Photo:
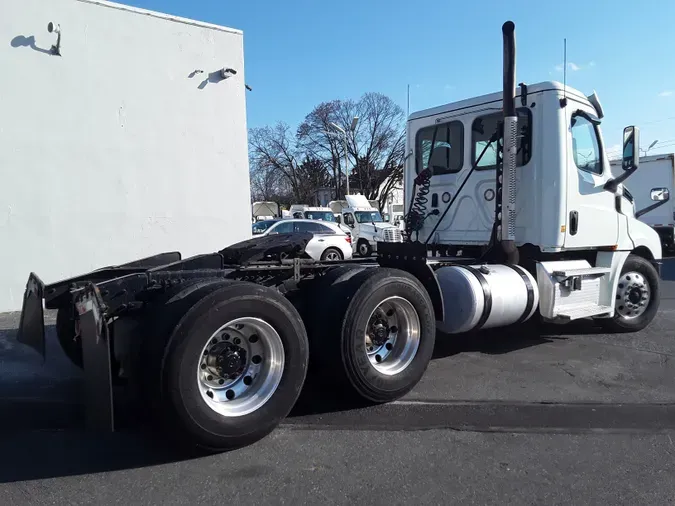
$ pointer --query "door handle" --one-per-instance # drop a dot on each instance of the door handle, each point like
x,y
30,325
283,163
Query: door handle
x,y
574,222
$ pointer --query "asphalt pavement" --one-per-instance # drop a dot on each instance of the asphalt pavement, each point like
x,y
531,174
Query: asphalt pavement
x,y
569,415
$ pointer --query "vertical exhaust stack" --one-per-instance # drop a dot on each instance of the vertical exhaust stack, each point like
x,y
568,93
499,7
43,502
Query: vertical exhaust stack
x,y
507,234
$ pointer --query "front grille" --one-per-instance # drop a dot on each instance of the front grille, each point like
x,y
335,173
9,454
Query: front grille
x,y
393,235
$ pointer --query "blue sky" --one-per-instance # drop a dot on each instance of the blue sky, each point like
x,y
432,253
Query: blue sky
x,y
301,52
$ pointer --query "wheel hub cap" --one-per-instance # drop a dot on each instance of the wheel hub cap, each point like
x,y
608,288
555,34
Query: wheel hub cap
x,y
635,295
379,333
393,335
229,360
632,296
241,366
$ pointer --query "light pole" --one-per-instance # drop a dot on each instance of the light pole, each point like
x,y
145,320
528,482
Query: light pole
x,y
352,127
650,147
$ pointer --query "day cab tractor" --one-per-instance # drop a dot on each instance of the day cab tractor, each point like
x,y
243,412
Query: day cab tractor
x,y
511,214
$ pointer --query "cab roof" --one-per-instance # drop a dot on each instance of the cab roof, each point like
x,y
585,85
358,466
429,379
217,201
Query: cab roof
x,y
496,97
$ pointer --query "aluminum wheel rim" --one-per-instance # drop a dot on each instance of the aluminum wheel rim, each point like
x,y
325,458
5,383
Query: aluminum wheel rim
x,y
240,366
332,255
633,295
393,335
363,249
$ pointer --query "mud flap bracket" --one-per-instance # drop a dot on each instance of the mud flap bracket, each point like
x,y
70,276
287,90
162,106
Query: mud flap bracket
x,y
97,360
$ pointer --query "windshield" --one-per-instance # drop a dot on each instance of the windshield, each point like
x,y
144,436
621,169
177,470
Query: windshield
x,y
368,216
320,215
261,226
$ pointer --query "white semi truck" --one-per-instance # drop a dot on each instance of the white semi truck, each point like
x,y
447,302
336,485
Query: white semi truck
x,y
657,172
364,221
219,344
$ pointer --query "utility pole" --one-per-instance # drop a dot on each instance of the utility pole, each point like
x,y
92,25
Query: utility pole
x,y
342,131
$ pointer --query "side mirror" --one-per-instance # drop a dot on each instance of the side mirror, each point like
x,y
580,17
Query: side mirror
x,y
630,158
631,148
660,194
338,219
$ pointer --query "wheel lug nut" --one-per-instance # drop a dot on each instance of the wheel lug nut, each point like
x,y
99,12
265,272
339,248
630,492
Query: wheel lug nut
x,y
221,381
226,336
214,341
203,366
209,377
236,340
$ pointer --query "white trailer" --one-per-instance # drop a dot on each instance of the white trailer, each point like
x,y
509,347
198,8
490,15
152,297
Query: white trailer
x,y
121,135
220,343
657,173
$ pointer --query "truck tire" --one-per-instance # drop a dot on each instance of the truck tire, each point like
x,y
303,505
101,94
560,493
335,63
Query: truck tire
x,y
379,336
363,248
233,365
637,297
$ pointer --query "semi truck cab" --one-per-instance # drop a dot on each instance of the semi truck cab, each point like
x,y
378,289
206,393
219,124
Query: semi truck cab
x,y
563,201
367,225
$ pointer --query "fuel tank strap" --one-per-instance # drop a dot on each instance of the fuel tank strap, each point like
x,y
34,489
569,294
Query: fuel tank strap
x,y
487,295
530,292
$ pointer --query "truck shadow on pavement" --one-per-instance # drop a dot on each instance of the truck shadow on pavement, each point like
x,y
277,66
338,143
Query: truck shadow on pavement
x,y
42,433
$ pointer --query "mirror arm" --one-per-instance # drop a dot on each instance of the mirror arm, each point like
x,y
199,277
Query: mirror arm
x,y
612,184
651,208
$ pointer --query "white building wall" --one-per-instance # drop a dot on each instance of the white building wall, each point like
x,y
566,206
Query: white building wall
x,y
119,148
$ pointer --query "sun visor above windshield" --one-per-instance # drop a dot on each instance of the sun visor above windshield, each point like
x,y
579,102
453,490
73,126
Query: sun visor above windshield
x,y
358,201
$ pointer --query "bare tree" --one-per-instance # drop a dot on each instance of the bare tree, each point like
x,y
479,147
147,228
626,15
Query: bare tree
x,y
297,165
318,139
273,149
379,146
313,175
375,148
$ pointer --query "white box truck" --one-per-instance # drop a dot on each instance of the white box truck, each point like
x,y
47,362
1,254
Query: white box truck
x,y
219,343
122,133
657,172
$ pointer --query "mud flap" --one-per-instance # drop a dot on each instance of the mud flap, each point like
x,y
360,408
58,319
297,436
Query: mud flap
x,y
97,361
32,324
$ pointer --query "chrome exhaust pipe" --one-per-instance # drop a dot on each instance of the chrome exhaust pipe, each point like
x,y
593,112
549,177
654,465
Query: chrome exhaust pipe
x,y
507,234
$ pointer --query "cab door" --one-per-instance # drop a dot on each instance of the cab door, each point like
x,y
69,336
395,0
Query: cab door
x,y
592,220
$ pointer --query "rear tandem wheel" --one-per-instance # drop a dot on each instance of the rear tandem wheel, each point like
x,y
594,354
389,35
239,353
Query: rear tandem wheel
x,y
377,337
229,365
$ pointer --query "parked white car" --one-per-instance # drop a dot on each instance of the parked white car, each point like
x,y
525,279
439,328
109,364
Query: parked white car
x,y
329,241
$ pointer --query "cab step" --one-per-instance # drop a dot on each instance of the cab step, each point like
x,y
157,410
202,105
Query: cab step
x,y
589,271
576,313
571,290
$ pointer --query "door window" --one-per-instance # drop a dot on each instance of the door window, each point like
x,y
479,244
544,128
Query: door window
x,y
323,229
484,127
585,146
283,228
314,228
441,148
